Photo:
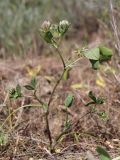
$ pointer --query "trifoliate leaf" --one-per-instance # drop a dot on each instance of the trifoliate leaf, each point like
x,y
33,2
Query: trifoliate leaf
x,y
92,54
98,55
15,92
69,100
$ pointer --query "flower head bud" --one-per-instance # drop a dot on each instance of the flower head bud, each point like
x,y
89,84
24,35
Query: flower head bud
x,y
63,26
46,25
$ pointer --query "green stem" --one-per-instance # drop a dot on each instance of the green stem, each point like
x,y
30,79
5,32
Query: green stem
x,y
39,100
61,57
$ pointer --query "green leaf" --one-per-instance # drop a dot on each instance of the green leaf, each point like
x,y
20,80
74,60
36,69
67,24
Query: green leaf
x,y
103,153
48,37
95,100
29,87
98,55
15,92
92,54
3,138
92,96
18,89
103,115
66,74
100,100
33,82
69,100
105,53
95,64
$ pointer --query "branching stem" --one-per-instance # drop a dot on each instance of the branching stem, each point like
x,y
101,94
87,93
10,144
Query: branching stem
x,y
50,100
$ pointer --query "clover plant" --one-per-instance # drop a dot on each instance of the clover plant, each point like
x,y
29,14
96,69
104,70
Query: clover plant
x,y
53,34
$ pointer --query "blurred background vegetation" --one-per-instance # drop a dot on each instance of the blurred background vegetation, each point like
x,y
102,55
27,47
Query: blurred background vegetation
x,y
20,21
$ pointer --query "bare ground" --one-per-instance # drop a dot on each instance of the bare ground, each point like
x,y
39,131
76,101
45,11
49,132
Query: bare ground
x,y
27,135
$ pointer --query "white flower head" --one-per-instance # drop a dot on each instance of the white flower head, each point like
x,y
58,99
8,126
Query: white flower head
x,y
64,24
46,25
63,27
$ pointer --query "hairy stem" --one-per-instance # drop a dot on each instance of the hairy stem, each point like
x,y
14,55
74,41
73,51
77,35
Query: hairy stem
x,y
50,100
